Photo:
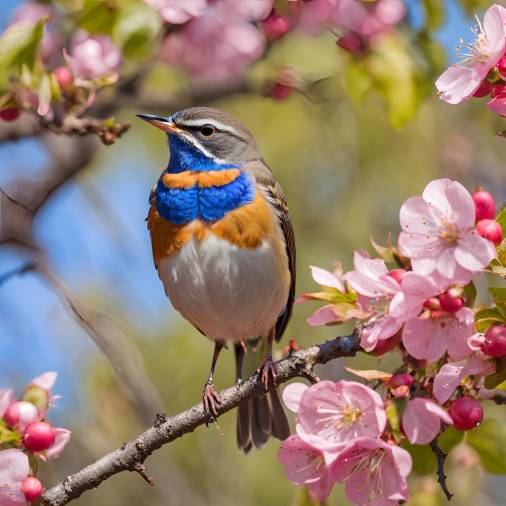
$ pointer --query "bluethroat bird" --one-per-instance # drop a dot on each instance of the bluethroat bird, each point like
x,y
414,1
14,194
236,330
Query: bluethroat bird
x,y
224,248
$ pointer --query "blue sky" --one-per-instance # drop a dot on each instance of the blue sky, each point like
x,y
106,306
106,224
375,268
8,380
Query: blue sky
x,y
37,334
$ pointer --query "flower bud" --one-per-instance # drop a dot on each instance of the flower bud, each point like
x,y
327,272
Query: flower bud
x,y
21,414
485,205
491,230
275,26
39,436
397,274
466,413
31,488
351,42
433,304
281,91
498,90
9,113
37,396
64,77
494,344
450,304
401,379
484,89
386,345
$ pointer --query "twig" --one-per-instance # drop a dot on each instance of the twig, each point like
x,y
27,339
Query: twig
x,y
441,476
165,430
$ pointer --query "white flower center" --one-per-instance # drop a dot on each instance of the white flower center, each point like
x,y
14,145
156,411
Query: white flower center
x,y
479,51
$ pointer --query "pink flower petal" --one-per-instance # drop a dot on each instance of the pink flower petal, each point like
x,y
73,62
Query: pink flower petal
x,y
326,278
423,340
323,316
416,218
498,105
12,497
62,437
447,380
6,399
14,467
458,83
45,381
321,489
456,332
494,23
463,210
292,394
474,253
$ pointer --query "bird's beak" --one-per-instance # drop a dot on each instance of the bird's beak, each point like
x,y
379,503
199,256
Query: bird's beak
x,y
159,122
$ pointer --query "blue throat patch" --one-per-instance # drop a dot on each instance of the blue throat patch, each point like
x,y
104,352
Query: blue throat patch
x,y
182,205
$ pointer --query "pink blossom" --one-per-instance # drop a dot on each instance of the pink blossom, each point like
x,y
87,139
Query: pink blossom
x,y
292,394
216,46
326,278
333,413
390,302
450,375
251,10
438,234
315,15
14,468
21,414
421,420
498,104
365,20
307,464
429,338
177,12
62,437
374,472
45,381
6,399
93,57
460,81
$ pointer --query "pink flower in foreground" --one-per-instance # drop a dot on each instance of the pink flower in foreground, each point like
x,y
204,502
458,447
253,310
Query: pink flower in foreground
x,y
460,81
14,469
292,394
438,234
176,11
216,46
334,413
421,420
450,375
306,464
429,338
391,302
374,472
92,57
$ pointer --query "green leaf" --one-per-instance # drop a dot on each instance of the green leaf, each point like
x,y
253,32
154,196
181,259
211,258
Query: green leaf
x,y
488,317
470,293
499,376
449,439
501,218
434,14
424,461
498,294
137,25
98,16
489,441
19,44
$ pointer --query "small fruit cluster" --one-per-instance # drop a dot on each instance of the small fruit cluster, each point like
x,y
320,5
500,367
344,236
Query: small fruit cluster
x,y
25,431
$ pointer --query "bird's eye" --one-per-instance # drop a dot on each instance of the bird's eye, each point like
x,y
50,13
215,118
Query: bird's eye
x,y
207,130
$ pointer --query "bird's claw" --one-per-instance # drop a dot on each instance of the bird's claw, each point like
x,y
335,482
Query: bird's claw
x,y
210,398
267,369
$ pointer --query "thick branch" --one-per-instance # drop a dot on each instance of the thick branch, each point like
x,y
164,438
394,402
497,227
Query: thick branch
x,y
132,455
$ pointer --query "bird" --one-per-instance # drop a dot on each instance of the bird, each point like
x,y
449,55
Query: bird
x,y
224,248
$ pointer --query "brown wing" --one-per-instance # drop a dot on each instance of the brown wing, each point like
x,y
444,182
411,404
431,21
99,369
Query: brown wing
x,y
273,189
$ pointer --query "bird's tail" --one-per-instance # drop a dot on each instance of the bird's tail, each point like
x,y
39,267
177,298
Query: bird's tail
x,y
260,418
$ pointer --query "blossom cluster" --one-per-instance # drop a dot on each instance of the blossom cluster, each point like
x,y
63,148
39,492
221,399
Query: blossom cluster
x,y
209,40
423,309
482,70
25,432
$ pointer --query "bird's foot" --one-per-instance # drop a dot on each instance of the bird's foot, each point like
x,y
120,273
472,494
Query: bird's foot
x,y
210,399
267,369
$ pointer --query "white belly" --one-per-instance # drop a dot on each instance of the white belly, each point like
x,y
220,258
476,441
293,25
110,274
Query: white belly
x,y
226,292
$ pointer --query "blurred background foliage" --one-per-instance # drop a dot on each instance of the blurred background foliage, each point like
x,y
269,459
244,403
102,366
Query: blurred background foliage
x,y
346,158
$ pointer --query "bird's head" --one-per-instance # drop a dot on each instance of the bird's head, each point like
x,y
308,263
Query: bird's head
x,y
203,138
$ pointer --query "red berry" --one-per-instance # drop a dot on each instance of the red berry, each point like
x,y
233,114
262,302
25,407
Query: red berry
x,y
397,274
501,64
495,341
433,304
275,26
450,304
351,42
491,230
281,91
484,89
466,413
39,436
9,113
400,380
32,488
64,77
485,205
498,90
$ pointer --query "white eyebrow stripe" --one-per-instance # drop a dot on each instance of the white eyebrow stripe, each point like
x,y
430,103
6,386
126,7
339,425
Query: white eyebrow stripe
x,y
216,124
191,139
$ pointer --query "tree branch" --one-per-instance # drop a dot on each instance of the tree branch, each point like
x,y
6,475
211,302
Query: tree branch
x,y
131,456
440,472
